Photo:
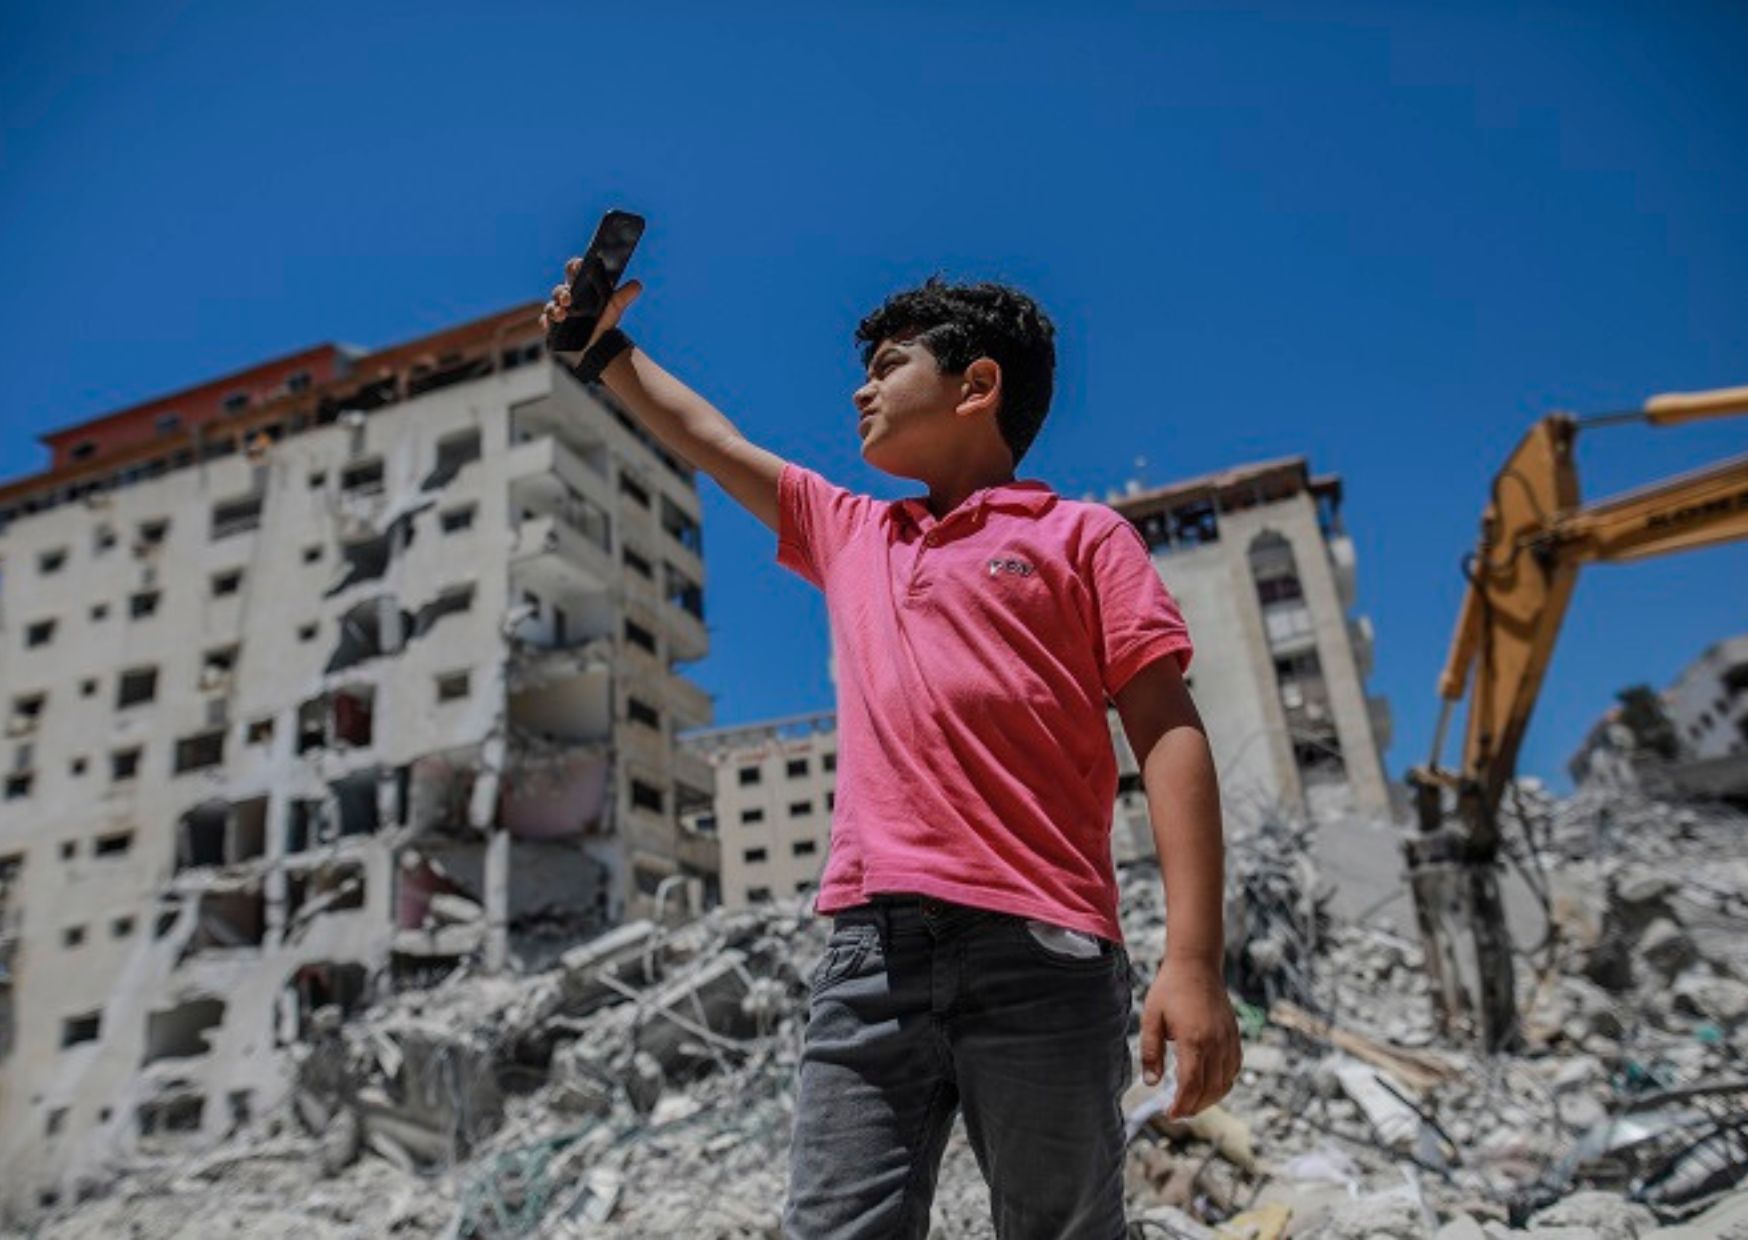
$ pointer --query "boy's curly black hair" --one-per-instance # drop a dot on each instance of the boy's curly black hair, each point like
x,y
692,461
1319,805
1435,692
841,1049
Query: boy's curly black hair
x,y
963,322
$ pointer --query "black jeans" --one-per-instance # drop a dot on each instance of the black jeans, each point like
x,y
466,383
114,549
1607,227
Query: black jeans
x,y
921,1008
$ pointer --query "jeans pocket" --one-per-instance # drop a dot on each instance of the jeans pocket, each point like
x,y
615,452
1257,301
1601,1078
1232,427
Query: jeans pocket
x,y
1071,950
844,953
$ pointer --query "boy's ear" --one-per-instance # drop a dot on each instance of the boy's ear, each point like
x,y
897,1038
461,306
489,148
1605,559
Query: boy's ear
x,y
980,386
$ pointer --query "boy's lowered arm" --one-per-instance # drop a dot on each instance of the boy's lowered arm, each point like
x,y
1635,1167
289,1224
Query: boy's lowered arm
x,y
683,421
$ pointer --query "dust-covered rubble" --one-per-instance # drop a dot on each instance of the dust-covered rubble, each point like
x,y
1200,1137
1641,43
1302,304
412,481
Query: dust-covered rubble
x,y
644,1085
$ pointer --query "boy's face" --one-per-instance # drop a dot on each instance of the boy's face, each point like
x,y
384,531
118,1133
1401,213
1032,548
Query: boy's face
x,y
905,410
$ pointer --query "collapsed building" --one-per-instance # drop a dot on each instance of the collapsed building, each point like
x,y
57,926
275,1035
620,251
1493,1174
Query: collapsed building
x,y
320,679
643,1084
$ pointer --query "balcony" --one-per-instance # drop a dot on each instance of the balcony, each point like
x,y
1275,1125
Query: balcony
x,y
693,770
548,466
555,559
689,705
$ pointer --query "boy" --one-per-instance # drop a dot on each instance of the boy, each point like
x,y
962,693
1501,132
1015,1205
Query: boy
x,y
975,960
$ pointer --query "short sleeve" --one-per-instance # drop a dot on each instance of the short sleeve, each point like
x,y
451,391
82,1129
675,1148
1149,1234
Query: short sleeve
x,y
1138,620
814,520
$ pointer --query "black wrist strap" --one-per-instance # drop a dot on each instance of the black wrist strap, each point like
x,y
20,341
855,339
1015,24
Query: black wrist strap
x,y
599,355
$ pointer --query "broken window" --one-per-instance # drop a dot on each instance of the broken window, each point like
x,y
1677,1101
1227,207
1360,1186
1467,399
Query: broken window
x,y
39,633
325,984
198,752
18,786
312,725
136,685
681,527
236,516
366,559
453,453
362,635
454,520
260,731
637,635
757,894
26,713
124,764
683,592
641,712
217,833
363,477
646,796
334,888
354,714
181,1032
173,1113
451,686
87,1027
216,666
355,798
452,601
228,918
304,823
50,562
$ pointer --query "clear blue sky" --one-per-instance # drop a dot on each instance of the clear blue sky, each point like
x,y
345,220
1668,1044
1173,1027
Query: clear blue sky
x,y
1387,237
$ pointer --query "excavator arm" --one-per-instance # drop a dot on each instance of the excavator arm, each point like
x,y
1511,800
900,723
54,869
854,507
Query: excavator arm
x,y
1534,537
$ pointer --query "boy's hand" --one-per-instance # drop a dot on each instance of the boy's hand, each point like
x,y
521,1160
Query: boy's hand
x,y
1187,1005
559,305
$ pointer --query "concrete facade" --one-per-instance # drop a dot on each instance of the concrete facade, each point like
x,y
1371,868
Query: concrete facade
x,y
776,788
377,677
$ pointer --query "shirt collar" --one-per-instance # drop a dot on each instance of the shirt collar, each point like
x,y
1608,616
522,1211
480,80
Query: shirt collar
x,y
1022,495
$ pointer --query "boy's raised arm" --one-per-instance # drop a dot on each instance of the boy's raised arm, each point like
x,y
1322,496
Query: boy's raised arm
x,y
678,417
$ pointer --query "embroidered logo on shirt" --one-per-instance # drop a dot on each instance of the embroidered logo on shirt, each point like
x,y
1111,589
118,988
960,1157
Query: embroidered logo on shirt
x,y
1007,564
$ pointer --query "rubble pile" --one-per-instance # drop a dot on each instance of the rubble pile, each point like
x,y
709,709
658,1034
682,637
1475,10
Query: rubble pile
x,y
643,1085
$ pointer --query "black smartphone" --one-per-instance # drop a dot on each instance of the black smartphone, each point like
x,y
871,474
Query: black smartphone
x,y
603,263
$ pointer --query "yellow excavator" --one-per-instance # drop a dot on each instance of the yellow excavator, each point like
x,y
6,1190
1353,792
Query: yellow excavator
x,y
1534,536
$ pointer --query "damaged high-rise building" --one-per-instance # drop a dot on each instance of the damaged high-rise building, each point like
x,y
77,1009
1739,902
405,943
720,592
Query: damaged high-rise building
x,y
319,680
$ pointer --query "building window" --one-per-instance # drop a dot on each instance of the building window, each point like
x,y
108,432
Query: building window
x,y
758,894
753,856
153,533
198,752
69,849
637,635
797,768
51,562
306,632
829,760
750,775
800,809
99,612
451,686
312,554
629,486
144,604
236,516
27,712
136,685
804,848
646,796
124,764
83,1028
260,731
73,936
84,450
748,816
227,582
115,845
40,633
457,519
362,477
454,452
637,564
831,800
102,539
77,766
236,402
57,1120
121,927
318,479
18,786
297,381
642,712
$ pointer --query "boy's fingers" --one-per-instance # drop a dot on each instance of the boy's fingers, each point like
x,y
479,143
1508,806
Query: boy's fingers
x,y
1192,1067
1152,1047
571,267
561,293
553,312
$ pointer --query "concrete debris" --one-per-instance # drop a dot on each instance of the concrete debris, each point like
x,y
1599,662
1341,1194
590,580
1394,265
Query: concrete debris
x,y
642,1083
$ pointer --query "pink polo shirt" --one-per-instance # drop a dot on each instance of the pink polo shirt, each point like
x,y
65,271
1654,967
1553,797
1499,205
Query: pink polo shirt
x,y
975,655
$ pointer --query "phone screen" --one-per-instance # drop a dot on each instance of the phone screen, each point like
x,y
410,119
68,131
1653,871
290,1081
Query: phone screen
x,y
603,263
